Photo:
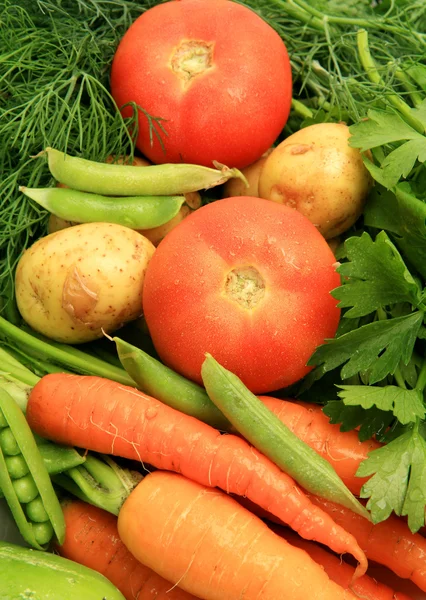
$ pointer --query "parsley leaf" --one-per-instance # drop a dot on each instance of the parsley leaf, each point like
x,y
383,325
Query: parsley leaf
x,y
400,162
371,422
377,347
406,405
382,128
398,481
404,216
377,276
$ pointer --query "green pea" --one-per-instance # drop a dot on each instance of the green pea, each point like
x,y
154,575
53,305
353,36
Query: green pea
x,y
43,532
136,212
3,420
264,430
8,442
36,482
25,488
16,465
127,180
35,511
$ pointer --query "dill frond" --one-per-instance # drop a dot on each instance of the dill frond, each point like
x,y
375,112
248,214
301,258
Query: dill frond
x,y
55,57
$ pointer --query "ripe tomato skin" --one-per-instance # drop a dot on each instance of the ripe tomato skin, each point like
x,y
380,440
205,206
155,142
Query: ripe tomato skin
x,y
233,111
189,310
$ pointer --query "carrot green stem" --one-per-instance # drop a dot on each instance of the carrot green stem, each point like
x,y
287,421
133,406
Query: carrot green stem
x,y
268,434
162,383
99,482
13,370
68,356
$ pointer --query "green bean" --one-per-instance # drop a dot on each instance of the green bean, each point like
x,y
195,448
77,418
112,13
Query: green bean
x,y
43,532
136,212
251,417
30,452
8,442
25,488
16,466
35,511
3,422
126,180
157,380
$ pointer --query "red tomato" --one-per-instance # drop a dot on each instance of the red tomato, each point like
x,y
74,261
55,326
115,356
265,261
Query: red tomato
x,y
216,72
247,280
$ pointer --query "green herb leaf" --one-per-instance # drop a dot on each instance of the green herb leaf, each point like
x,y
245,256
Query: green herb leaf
x,y
420,111
377,347
400,162
383,128
404,215
371,422
406,405
376,276
398,481
379,129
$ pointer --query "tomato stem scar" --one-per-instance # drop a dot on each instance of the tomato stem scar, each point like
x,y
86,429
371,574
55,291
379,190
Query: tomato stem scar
x,y
246,286
191,58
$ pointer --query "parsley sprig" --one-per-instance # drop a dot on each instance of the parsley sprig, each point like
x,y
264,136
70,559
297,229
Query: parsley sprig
x,y
383,374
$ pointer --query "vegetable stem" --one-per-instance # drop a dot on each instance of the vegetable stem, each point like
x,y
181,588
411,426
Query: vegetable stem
x,y
421,379
71,357
301,109
416,98
370,67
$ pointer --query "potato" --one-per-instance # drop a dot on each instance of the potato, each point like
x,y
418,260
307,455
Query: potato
x,y
156,234
237,187
72,284
316,172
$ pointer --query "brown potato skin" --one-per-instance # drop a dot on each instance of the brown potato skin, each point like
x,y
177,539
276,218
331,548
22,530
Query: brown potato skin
x,y
82,281
316,172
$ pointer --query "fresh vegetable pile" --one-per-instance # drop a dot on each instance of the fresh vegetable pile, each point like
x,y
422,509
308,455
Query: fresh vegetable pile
x,y
212,299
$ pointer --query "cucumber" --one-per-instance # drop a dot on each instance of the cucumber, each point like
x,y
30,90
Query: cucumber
x,y
27,573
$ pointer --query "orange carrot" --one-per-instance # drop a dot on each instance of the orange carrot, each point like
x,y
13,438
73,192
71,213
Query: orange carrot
x,y
340,572
107,417
92,540
209,545
389,543
342,449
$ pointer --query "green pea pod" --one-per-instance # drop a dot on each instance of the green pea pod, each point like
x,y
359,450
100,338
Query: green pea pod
x,y
162,383
30,452
267,433
127,180
26,573
57,459
9,494
136,212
